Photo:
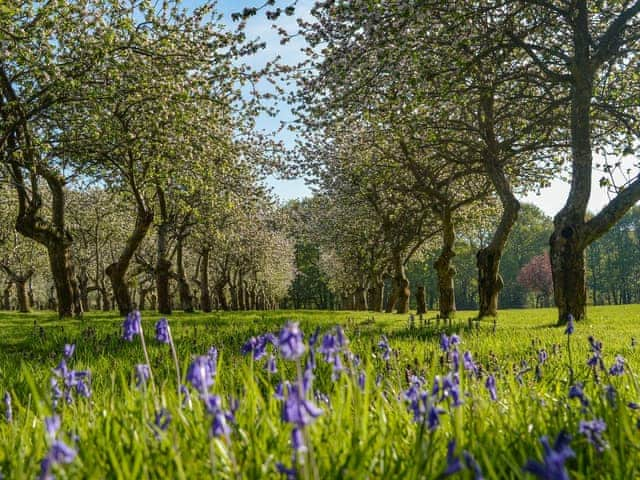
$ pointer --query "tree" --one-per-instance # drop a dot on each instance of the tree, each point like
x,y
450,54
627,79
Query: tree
x,y
586,47
536,276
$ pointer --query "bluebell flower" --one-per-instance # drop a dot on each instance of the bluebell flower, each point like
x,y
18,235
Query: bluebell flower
x,y
162,331
455,359
290,342
289,473
270,365
593,430
453,461
570,328
361,380
142,375
329,347
8,411
279,392
82,389
471,463
313,339
131,326
59,454
553,465
491,386
433,417
618,367
212,356
542,356
297,440
162,419
69,348
468,363
454,340
575,391
611,394
444,342
52,425
200,375
383,345
341,337
220,426
257,346
298,410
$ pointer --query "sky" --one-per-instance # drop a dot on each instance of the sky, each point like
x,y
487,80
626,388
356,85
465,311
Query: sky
x,y
550,200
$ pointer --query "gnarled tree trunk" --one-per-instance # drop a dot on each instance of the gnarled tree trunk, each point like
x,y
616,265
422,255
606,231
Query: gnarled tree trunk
x,y
421,301
401,284
444,268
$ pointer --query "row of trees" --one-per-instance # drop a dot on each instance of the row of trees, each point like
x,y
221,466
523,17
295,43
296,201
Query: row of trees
x,y
129,158
421,120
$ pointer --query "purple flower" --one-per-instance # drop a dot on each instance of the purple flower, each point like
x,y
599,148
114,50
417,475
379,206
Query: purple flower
x,y
131,326
212,355
472,465
444,342
383,345
552,467
52,425
257,346
570,327
298,410
329,347
611,394
162,331
162,419
618,367
279,393
289,473
468,363
362,380
453,462
593,430
200,375
8,411
290,341
61,453
455,358
69,348
220,426
454,340
143,373
542,356
491,386
433,417
575,391
270,365
82,389
297,440
186,400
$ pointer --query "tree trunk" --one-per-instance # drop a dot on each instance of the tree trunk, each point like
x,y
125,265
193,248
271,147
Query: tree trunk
x,y
117,271
21,294
67,292
421,301
221,295
401,285
83,287
205,296
186,300
568,272
361,298
445,270
376,295
6,296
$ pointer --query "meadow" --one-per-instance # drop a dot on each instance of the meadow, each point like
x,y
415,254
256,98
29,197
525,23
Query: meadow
x,y
382,397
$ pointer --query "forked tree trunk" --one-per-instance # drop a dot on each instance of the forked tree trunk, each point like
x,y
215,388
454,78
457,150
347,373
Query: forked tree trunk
x,y
490,282
117,271
445,270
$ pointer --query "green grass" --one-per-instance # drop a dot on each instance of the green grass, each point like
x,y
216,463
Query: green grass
x,y
361,434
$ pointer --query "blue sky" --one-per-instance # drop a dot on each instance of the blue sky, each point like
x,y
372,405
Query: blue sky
x,y
550,200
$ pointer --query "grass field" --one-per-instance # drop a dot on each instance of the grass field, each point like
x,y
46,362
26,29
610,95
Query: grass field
x,y
376,428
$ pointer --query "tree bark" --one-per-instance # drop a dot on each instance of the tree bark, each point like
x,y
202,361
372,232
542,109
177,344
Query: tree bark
x,y
205,296
490,282
361,298
221,295
186,300
421,301
83,287
117,271
401,284
445,270
376,295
